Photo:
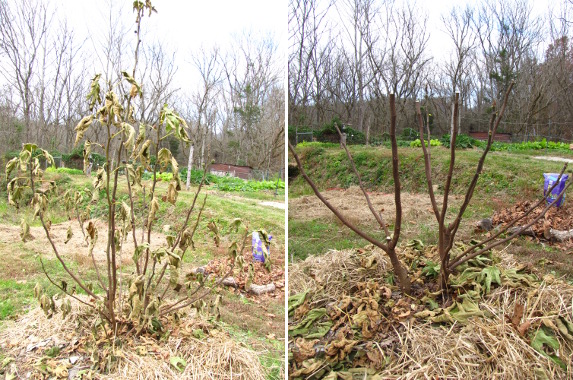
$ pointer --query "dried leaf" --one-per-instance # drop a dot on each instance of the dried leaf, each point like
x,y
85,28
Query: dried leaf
x,y
69,235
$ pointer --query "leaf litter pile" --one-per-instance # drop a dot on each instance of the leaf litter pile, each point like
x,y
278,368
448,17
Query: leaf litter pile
x,y
347,320
556,218
255,272
60,348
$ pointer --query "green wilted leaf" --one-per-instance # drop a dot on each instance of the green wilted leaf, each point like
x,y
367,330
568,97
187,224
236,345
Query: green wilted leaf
x,y
305,326
175,123
295,301
236,223
173,275
431,269
159,253
136,88
416,244
15,192
250,276
545,337
488,275
5,362
138,251
432,304
29,147
52,352
178,363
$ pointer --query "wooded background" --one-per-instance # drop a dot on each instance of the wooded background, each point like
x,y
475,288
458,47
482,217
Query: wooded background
x,y
345,57
236,112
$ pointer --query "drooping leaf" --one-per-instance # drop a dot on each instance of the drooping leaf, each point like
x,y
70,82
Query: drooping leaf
x,y
48,157
66,307
488,275
10,166
69,235
135,87
175,123
129,133
143,154
82,127
153,208
137,253
213,227
94,96
172,192
236,223
38,290
178,363
24,158
164,158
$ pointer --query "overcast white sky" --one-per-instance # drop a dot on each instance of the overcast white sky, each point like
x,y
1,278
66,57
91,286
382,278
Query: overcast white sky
x,y
185,26
435,8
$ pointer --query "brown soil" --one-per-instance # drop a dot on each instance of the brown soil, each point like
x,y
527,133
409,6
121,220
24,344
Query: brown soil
x,y
351,202
77,247
416,208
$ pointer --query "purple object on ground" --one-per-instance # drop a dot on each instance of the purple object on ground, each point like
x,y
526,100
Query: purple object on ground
x,y
257,245
549,180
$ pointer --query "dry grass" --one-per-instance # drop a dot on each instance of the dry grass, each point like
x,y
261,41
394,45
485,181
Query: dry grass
x,y
336,271
213,356
483,348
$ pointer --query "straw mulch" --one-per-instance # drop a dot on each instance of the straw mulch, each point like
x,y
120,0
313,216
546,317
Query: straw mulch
x,y
372,335
207,352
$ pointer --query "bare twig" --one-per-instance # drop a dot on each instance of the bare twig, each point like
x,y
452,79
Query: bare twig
x,y
466,257
377,215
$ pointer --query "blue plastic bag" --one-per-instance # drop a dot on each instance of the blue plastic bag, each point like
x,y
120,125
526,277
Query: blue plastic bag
x,y
261,251
549,180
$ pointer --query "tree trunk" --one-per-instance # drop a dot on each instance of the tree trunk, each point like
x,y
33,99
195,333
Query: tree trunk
x,y
190,166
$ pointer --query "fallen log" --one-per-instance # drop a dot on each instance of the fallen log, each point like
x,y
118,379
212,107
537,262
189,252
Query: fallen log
x,y
229,281
528,231
261,289
557,235
549,233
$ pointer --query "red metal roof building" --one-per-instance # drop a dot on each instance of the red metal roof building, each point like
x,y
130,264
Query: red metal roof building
x,y
244,172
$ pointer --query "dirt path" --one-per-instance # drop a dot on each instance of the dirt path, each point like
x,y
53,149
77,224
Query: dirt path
x,y
280,205
553,158
351,202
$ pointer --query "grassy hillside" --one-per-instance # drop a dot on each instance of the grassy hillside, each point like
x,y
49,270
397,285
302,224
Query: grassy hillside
x,y
506,179
504,173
